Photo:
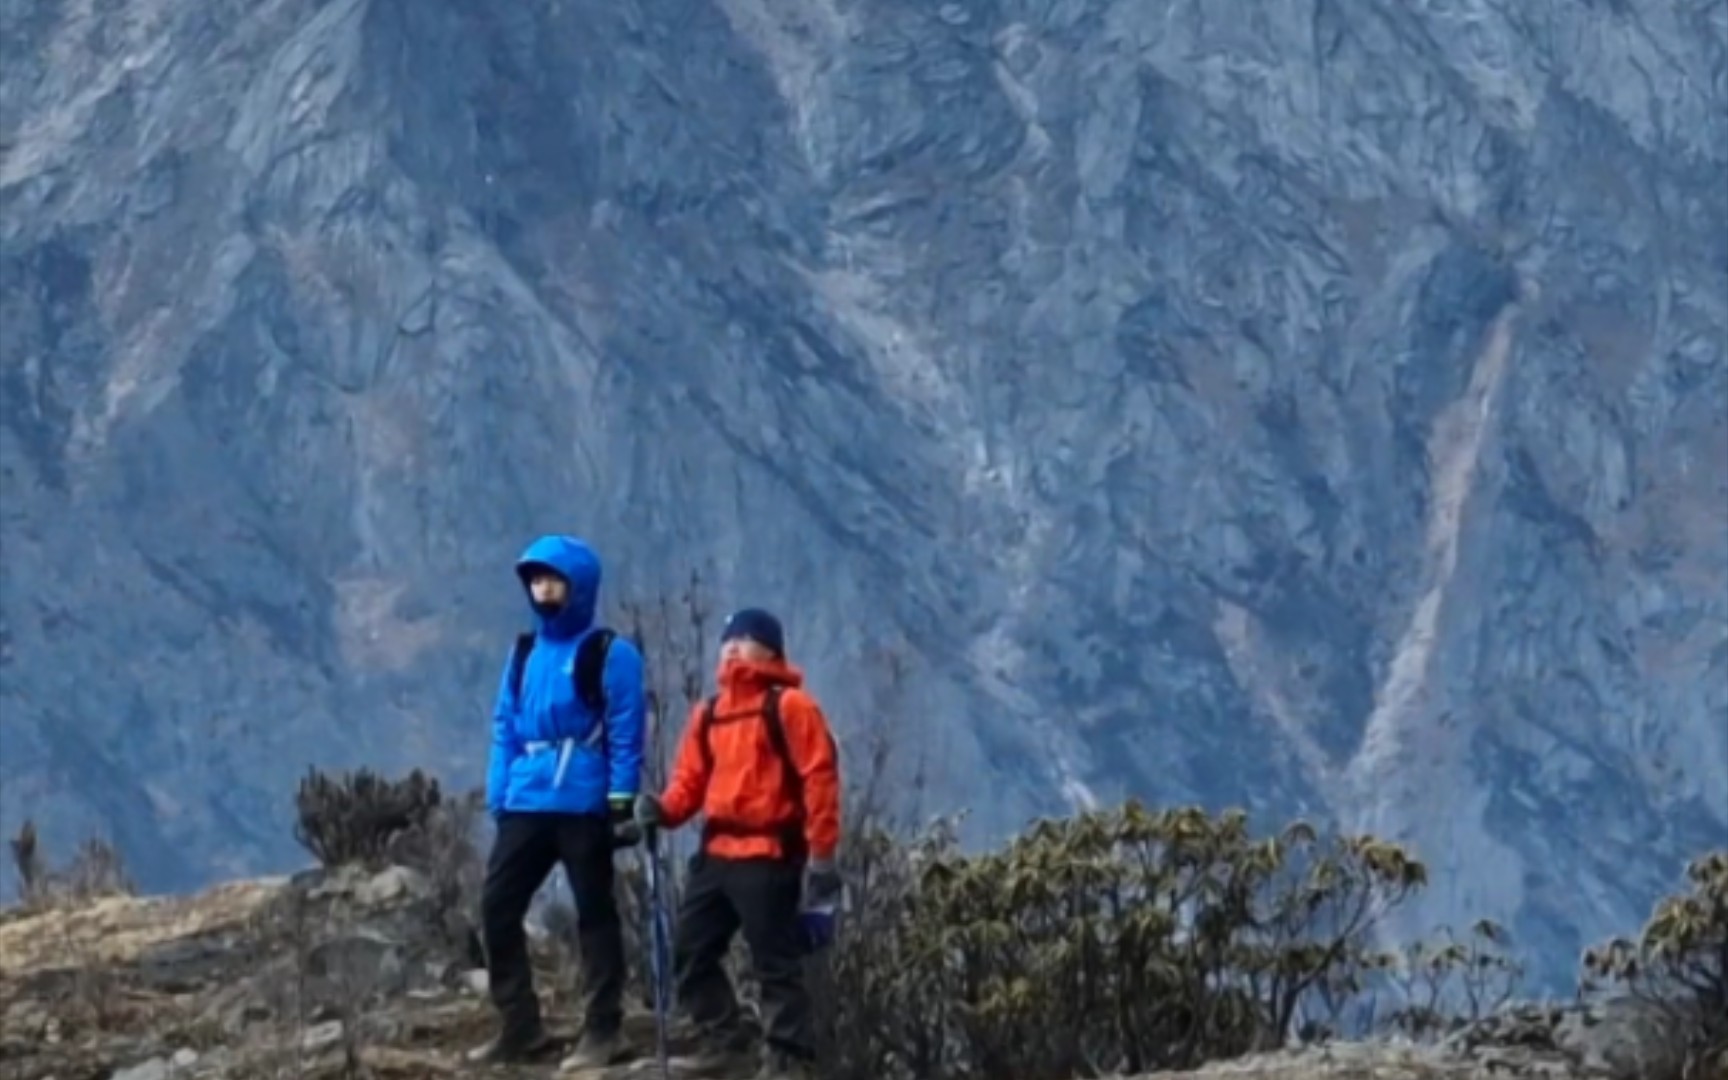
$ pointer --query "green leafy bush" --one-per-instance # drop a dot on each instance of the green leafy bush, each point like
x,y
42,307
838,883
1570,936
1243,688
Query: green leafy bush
x,y
1124,941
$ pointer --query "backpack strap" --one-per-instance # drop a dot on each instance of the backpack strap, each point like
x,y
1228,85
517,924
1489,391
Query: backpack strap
x,y
703,741
519,663
777,737
587,672
791,835
770,713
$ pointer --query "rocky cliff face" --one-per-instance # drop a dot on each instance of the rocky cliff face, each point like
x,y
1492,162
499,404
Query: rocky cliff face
x,y
1322,408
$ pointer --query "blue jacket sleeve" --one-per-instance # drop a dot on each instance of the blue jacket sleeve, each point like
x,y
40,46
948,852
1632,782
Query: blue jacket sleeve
x,y
626,718
506,745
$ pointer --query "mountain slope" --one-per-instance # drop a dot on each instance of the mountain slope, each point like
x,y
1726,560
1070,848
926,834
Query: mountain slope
x,y
1323,409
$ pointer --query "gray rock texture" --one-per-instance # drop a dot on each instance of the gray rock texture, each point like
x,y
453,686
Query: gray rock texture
x,y
1314,405
238,971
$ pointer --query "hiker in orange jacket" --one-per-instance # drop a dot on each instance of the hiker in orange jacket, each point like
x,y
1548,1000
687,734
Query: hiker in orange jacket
x,y
759,762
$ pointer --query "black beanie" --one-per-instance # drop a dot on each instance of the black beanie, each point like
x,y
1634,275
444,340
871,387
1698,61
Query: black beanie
x,y
758,626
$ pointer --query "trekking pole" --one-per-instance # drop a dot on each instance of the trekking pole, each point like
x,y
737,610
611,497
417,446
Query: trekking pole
x,y
658,948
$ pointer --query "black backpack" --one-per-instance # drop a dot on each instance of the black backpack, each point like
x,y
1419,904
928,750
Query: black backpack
x,y
587,673
791,835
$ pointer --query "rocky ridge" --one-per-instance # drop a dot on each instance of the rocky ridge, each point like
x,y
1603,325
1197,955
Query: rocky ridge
x,y
329,973
1321,410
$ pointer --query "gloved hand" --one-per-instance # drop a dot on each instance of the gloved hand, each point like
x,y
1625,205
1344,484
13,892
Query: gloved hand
x,y
648,811
822,883
822,891
625,831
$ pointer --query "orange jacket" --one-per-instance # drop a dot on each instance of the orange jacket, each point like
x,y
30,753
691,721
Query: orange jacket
x,y
742,788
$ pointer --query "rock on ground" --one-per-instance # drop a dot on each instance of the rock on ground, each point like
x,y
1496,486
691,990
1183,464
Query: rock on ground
x,y
246,979
1317,407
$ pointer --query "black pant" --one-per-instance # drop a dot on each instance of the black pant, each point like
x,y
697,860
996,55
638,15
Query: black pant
x,y
527,847
761,896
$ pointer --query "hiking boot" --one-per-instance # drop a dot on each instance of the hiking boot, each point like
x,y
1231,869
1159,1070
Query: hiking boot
x,y
596,1051
720,1053
511,1048
782,1066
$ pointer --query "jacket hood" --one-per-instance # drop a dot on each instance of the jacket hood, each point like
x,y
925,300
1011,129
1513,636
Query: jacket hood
x,y
748,675
576,563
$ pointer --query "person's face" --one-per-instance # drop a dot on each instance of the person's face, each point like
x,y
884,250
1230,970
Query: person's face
x,y
547,589
746,649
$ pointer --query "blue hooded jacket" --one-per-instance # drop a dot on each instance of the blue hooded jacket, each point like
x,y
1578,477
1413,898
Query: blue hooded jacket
x,y
546,753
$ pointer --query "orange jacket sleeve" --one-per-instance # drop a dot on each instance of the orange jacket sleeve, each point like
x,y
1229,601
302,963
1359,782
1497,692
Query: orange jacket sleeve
x,y
812,746
688,785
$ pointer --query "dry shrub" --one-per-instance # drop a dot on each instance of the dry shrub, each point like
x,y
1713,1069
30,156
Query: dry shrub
x,y
93,996
1445,983
1679,965
96,870
445,847
360,818
631,889
674,632
1123,941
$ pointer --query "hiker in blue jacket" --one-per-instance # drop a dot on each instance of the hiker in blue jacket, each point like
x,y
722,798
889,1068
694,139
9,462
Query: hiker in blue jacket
x,y
565,768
